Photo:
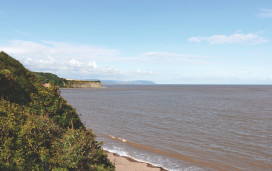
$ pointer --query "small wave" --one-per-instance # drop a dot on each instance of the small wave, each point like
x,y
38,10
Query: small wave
x,y
121,139
158,161
113,137
117,138
116,150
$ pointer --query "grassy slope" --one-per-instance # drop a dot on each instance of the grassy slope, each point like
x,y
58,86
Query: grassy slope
x,y
38,129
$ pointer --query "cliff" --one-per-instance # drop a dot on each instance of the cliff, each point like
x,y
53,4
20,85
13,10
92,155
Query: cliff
x,y
49,79
82,84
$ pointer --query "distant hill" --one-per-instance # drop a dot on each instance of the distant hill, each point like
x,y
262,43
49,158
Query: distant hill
x,y
136,82
39,130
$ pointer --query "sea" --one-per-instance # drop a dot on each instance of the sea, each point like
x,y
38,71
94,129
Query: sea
x,y
182,127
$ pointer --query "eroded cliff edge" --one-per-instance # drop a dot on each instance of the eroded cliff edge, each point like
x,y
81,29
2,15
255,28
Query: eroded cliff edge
x,y
82,84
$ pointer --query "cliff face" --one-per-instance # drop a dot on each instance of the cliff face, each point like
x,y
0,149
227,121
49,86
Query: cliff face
x,y
82,84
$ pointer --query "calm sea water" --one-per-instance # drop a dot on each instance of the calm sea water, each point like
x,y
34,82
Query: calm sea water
x,y
182,127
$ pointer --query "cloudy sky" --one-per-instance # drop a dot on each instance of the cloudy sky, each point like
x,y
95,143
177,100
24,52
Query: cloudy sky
x,y
165,41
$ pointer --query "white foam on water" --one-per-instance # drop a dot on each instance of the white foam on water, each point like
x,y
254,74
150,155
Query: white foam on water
x,y
112,136
148,159
121,139
193,169
116,150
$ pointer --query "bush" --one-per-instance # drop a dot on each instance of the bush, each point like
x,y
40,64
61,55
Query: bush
x,y
78,149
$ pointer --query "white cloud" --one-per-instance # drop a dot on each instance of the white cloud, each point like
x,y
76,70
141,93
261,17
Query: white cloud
x,y
28,61
93,65
74,63
77,61
265,13
19,47
143,72
170,55
62,58
111,70
47,61
194,39
34,54
59,50
237,38
166,57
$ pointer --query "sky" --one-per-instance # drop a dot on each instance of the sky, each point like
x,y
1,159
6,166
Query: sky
x,y
165,41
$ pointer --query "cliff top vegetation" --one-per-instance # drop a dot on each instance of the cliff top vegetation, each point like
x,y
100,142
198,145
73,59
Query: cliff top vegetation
x,y
54,80
51,78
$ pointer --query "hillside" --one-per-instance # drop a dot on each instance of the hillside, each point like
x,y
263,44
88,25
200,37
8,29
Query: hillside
x,y
39,130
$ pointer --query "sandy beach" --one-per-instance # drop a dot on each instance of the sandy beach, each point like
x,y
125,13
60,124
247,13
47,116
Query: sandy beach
x,y
129,164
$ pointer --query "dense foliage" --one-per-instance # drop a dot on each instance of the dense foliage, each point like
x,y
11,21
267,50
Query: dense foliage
x,y
51,78
39,130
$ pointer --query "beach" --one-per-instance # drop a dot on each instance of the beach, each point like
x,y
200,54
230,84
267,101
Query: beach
x,y
123,163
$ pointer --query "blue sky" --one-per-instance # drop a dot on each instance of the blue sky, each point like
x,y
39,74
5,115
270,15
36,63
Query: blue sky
x,y
165,41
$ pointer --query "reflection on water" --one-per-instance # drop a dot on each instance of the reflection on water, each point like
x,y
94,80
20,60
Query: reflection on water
x,y
182,127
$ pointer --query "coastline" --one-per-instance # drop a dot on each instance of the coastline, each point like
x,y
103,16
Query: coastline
x,y
124,163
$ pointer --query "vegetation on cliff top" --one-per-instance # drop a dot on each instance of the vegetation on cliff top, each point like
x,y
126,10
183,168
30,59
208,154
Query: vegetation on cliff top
x,y
54,80
39,130
51,78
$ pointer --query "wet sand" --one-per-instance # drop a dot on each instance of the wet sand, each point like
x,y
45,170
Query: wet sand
x,y
129,164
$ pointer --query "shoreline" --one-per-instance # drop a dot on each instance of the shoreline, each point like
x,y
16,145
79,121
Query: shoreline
x,y
125,163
